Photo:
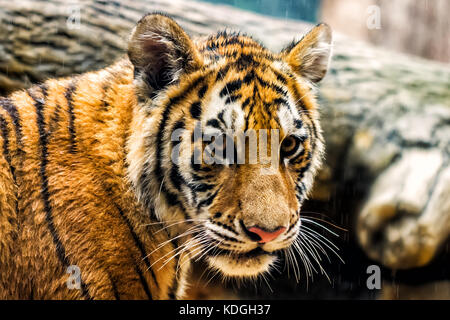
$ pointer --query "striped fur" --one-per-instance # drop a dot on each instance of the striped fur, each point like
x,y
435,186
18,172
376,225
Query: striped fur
x,y
86,177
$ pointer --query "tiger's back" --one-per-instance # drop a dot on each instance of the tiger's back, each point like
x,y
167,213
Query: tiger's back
x,y
64,198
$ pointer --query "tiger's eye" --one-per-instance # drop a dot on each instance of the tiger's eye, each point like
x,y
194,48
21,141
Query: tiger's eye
x,y
289,146
289,143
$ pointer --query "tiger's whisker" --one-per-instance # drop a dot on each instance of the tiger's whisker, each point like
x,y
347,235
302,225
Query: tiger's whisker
x,y
179,222
322,220
326,245
318,224
312,231
189,231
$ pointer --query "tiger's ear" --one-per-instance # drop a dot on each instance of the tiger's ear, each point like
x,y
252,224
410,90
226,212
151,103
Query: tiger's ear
x,y
160,51
310,56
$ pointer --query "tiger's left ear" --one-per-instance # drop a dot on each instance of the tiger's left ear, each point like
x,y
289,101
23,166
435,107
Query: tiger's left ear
x,y
310,56
161,52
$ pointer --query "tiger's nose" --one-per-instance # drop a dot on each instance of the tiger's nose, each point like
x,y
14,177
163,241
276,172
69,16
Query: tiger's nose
x,y
264,236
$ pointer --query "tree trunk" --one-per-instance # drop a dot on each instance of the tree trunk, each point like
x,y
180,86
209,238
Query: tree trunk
x,y
419,27
386,116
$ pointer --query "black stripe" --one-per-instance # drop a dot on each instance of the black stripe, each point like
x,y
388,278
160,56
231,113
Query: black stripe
x,y
202,91
173,199
60,250
54,120
220,116
176,178
174,287
231,87
196,110
299,158
208,200
280,77
203,187
225,227
196,177
9,106
232,98
280,101
247,60
138,243
273,86
314,134
6,154
69,97
144,283
172,295
152,214
291,227
226,238
302,188
245,103
114,287
250,111
178,125
85,290
105,88
298,123
289,237
178,181
252,76
298,97
221,74
12,111
213,123
173,101
302,170
249,77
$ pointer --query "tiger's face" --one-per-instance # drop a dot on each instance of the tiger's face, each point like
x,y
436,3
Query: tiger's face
x,y
229,139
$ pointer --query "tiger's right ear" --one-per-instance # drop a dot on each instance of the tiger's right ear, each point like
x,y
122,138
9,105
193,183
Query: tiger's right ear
x,y
310,57
160,51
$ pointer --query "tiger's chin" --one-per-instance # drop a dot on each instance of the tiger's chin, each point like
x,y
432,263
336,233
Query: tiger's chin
x,y
244,265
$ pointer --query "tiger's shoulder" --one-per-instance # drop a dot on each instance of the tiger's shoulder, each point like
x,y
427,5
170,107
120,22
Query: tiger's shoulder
x,y
64,198
57,107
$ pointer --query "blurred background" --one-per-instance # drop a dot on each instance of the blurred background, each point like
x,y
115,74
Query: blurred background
x,y
419,27
383,195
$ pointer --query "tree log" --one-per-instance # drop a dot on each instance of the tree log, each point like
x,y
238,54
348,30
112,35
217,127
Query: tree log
x,y
427,37
386,116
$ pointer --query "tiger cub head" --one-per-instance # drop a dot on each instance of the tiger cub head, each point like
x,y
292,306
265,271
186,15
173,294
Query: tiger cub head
x,y
226,139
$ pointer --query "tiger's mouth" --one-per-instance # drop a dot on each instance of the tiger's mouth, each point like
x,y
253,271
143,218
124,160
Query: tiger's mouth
x,y
242,264
254,253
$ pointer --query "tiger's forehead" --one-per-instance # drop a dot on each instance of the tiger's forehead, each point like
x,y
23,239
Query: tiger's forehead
x,y
235,45
253,88
251,100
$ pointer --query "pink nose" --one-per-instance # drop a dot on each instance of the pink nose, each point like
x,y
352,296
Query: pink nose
x,y
266,236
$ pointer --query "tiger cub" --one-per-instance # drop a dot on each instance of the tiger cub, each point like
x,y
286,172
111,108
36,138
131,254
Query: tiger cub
x,y
107,190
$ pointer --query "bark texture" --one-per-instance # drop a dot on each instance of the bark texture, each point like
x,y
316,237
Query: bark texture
x,y
419,27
